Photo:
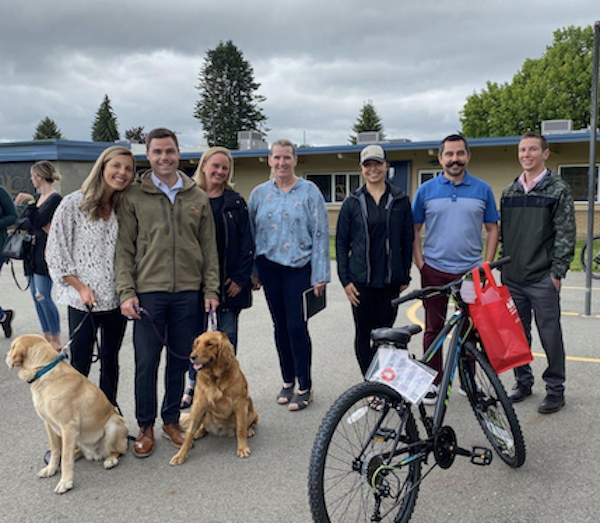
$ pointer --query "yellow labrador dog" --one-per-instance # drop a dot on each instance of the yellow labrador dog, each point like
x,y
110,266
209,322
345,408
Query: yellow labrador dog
x,y
221,404
76,412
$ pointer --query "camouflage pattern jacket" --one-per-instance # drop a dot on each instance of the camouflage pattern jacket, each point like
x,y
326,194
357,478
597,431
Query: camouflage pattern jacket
x,y
537,230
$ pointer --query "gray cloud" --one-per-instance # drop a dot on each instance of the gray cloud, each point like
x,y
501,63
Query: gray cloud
x,y
317,61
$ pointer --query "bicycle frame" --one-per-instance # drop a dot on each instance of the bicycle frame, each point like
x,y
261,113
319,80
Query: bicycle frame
x,y
458,324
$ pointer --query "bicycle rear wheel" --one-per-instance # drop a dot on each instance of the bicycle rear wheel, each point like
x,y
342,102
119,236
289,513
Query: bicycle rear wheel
x,y
356,471
491,406
595,257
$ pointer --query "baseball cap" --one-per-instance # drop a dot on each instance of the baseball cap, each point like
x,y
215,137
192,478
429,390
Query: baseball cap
x,y
372,152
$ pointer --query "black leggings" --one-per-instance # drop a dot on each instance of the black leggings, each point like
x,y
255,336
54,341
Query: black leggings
x,y
111,325
373,311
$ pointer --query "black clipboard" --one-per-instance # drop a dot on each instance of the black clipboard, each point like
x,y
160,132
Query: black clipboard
x,y
312,304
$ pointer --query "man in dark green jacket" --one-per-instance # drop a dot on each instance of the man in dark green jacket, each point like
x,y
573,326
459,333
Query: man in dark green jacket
x,y
166,253
8,216
538,233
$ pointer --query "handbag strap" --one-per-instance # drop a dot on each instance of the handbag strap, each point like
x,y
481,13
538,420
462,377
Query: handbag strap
x,y
12,270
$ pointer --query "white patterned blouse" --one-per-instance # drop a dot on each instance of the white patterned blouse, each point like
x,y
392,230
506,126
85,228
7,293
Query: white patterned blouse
x,y
85,248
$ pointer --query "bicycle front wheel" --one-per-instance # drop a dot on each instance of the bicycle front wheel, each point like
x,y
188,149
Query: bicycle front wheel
x,y
364,464
491,406
595,257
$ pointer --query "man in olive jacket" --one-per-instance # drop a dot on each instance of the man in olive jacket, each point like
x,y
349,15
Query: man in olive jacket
x,y
166,252
538,233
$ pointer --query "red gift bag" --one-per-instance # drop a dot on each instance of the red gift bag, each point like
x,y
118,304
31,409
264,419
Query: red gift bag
x,y
497,320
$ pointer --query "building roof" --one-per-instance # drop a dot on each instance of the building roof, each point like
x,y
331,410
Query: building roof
x,y
89,151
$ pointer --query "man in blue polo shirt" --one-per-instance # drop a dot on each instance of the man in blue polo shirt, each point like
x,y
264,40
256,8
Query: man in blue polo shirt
x,y
453,207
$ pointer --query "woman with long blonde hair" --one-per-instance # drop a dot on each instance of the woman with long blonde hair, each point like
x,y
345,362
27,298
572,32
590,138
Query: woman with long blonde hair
x,y
80,255
234,244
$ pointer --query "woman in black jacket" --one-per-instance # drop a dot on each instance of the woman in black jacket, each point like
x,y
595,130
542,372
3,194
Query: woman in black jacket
x,y
374,250
38,215
234,244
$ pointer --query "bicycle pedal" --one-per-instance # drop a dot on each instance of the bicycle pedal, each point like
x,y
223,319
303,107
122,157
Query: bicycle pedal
x,y
384,434
481,456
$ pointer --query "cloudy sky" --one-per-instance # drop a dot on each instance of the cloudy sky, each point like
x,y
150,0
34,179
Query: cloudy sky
x,y
317,60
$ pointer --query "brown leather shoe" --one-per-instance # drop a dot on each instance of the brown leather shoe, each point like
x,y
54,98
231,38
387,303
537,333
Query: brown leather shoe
x,y
144,443
174,433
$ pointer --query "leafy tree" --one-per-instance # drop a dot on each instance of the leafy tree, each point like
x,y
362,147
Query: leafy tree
x,y
555,86
135,135
105,128
228,100
368,121
47,130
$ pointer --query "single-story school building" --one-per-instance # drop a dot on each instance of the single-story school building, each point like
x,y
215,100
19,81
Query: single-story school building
x,y
334,169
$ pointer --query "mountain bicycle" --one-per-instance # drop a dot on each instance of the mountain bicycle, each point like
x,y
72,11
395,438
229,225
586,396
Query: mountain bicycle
x,y
367,458
595,257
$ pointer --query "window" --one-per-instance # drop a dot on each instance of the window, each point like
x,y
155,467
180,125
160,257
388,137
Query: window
x,y
335,186
577,177
427,174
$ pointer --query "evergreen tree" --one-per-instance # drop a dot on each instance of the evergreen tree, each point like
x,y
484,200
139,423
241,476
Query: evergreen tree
x,y
558,85
228,100
368,121
135,135
47,130
105,128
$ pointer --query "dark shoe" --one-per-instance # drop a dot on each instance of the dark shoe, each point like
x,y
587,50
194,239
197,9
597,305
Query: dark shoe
x,y
7,323
174,433
144,443
551,404
300,401
285,395
519,393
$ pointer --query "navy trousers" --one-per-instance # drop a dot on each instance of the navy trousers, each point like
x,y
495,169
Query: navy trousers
x,y
283,288
175,316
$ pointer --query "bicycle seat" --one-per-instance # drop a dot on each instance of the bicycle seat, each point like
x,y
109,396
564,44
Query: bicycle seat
x,y
397,335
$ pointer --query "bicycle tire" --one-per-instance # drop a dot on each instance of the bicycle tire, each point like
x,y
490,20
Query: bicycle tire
x,y
595,257
344,485
491,406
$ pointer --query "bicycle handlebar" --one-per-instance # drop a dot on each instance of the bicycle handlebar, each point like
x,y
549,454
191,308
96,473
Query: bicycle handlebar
x,y
429,292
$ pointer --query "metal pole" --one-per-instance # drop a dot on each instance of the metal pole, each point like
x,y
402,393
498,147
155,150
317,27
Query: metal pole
x,y
592,172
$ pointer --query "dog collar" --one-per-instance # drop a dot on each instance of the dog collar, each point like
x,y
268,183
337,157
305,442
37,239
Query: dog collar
x,y
49,367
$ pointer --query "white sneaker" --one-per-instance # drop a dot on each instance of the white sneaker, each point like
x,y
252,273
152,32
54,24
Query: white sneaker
x,y
431,397
462,391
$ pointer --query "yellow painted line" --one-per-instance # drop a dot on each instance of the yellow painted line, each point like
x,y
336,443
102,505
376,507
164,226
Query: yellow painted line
x,y
579,288
411,314
570,358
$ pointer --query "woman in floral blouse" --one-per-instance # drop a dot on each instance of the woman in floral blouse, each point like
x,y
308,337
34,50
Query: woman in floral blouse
x,y
80,255
288,219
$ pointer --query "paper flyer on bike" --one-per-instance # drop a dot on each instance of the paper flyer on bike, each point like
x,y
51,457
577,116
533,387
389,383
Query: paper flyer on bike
x,y
408,377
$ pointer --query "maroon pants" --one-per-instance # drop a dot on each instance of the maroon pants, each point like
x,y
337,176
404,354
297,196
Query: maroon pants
x,y
435,313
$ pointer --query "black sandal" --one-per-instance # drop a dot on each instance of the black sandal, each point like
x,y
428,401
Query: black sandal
x,y
187,399
285,394
301,400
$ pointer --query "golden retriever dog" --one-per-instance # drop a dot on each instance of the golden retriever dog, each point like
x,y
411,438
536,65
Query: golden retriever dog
x,y
76,412
221,403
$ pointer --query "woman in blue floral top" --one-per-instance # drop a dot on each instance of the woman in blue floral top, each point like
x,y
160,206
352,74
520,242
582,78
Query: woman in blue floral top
x,y
288,219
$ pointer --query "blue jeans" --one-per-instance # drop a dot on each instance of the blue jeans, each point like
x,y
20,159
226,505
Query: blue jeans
x,y
41,290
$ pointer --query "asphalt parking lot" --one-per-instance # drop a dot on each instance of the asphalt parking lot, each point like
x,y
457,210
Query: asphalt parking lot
x,y
558,482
